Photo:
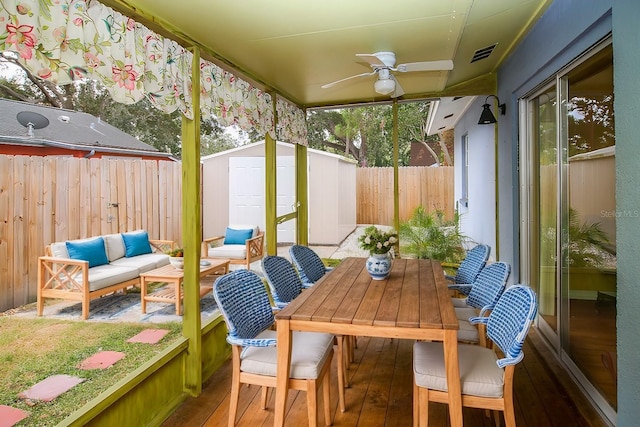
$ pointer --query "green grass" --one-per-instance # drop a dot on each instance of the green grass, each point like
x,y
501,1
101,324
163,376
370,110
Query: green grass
x,y
34,349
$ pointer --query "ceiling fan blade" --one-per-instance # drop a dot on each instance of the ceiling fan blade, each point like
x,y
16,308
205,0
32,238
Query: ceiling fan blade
x,y
373,60
426,66
347,78
398,91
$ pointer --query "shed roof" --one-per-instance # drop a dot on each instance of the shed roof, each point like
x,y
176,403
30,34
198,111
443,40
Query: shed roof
x,y
239,150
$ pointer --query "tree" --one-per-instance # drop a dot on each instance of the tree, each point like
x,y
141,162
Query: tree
x,y
366,133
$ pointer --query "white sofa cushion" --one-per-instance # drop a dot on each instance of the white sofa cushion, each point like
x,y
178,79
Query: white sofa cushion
x,y
106,275
228,251
479,373
144,262
309,350
115,246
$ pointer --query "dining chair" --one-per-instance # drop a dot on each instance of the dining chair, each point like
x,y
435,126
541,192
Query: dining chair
x,y
469,269
484,295
309,265
285,286
244,304
486,380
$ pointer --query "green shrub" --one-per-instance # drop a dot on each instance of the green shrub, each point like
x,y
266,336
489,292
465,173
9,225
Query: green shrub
x,y
430,235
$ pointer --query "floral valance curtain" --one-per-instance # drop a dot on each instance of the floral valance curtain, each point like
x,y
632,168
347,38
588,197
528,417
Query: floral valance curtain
x,y
66,40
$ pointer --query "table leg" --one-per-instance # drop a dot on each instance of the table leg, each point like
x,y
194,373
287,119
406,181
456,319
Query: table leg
x,y
453,376
282,372
178,296
143,294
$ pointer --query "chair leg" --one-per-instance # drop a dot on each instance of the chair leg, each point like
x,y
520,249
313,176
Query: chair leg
x,y
423,405
235,385
312,403
263,398
341,370
416,409
326,393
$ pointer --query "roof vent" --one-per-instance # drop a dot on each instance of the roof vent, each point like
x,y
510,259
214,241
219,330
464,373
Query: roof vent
x,y
483,53
64,119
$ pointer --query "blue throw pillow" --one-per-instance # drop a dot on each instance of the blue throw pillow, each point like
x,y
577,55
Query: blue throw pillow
x,y
236,237
136,244
90,250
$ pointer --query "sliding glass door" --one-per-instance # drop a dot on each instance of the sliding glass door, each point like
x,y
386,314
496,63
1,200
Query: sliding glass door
x,y
572,244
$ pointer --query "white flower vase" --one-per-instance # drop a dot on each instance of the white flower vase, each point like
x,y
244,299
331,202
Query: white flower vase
x,y
379,266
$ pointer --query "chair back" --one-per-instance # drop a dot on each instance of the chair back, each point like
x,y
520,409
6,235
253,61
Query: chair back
x,y
308,263
489,285
472,264
284,282
244,304
510,320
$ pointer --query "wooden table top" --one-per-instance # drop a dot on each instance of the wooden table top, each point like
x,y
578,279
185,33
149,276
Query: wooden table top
x,y
415,295
170,272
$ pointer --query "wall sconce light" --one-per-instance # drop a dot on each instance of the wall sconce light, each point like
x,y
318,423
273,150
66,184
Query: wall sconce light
x,y
487,117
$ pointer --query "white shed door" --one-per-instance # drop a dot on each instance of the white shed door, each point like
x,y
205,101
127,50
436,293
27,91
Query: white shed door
x,y
246,193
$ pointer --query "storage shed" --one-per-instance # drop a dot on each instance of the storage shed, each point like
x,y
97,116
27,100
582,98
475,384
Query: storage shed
x,y
234,183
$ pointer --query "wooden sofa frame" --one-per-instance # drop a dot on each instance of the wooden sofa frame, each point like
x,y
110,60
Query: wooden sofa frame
x,y
57,279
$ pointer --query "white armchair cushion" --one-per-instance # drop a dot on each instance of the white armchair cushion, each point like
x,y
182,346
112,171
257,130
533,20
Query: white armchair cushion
x,y
479,373
228,251
459,302
309,350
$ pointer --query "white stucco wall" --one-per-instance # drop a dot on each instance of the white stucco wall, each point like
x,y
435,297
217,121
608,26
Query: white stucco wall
x,y
478,219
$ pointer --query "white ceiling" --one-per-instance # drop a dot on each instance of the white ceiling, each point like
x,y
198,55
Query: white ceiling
x,y
296,46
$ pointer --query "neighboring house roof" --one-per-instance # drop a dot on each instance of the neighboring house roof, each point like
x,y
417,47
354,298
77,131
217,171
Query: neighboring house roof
x,y
68,129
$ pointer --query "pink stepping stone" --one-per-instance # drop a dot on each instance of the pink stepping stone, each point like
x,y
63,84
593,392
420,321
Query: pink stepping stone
x,y
101,360
149,336
11,416
50,388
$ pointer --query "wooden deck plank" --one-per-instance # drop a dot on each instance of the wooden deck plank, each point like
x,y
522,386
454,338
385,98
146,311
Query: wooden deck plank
x,y
380,394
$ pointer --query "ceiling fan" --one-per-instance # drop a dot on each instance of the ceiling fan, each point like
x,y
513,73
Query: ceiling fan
x,y
383,65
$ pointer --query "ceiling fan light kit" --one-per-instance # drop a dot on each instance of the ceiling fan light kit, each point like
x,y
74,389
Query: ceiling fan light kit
x,y
383,64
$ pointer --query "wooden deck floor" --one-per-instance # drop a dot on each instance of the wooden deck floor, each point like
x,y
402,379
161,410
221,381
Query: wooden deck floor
x,y
381,394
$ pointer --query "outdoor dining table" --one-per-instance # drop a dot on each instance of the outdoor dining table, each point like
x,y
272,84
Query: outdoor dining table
x,y
412,303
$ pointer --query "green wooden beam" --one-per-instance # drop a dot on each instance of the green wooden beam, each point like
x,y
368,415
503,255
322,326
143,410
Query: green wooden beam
x,y
191,234
270,191
302,196
396,156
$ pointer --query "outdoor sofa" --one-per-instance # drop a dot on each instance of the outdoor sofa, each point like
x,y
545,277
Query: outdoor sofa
x,y
86,269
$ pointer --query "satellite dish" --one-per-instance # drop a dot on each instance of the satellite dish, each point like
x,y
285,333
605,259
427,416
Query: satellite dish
x,y
32,120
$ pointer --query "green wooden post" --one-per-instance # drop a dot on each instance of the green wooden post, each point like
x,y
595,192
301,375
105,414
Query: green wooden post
x,y
270,194
191,234
302,196
396,184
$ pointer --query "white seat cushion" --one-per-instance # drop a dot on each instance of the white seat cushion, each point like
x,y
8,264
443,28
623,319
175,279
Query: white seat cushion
x,y
459,302
309,351
465,313
106,275
143,263
228,251
468,332
479,373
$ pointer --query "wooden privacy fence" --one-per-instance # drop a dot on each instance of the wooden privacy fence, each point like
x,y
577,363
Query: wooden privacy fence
x,y
426,186
50,199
